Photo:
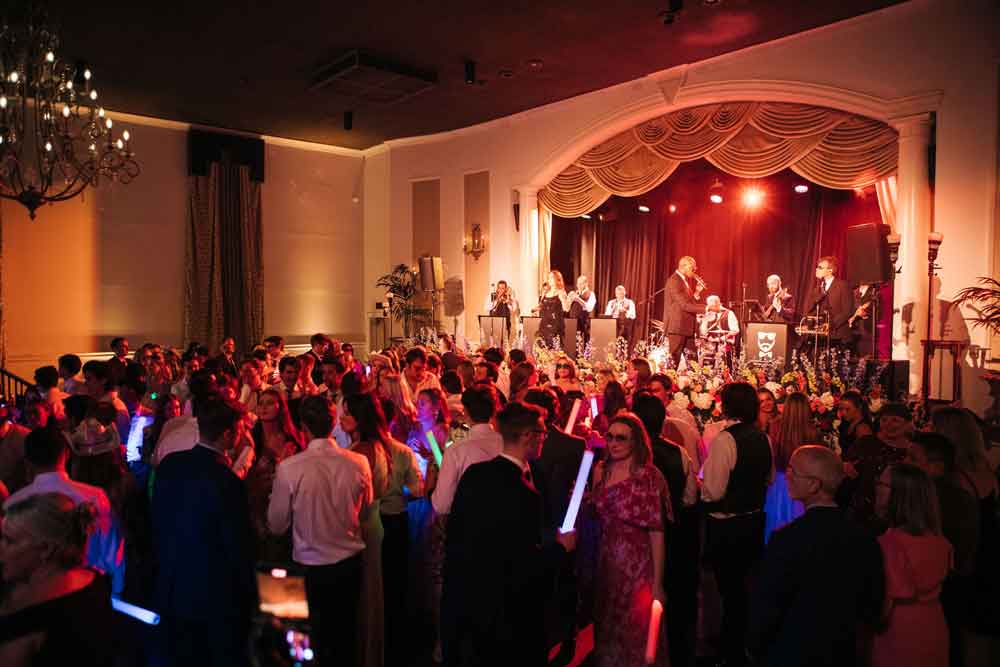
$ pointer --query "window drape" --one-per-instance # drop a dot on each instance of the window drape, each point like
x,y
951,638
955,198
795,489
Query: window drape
x,y
747,139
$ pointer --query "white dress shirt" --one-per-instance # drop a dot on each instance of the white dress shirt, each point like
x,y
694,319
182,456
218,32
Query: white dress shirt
x,y
590,302
721,460
690,496
430,381
178,435
482,444
712,429
105,550
713,321
625,305
827,282
324,494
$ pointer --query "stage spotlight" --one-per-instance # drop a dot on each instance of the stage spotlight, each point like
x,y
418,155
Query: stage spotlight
x,y
672,208
753,198
715,192
643,208
802,188
585,216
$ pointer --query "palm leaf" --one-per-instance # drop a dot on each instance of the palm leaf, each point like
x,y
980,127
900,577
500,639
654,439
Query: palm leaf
x,y
984,300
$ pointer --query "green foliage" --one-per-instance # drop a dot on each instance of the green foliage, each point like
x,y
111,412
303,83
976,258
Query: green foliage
x,y
984,300
402,283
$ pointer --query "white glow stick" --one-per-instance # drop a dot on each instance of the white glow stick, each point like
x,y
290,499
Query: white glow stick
x,y
569,523
435,449
449,444
593,407
135,433
653,637
572,416
146,616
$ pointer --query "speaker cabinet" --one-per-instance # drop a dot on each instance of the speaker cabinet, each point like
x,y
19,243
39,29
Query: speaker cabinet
x,y
868,254
431,274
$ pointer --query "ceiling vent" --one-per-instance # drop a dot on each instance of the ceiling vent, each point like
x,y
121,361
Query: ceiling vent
x,y
365,78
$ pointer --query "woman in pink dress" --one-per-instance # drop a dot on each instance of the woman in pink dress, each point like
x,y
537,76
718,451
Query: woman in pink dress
x,y
632,504
917,559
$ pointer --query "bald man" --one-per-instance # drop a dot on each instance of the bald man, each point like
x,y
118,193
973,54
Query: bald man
x,y
682,307
821,575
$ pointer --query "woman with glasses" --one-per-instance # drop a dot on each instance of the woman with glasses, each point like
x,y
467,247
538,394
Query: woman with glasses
x,y
917,559
566,375
632,504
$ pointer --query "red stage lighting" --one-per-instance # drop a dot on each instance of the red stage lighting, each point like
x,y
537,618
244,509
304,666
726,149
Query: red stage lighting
x,y
672,208
753,198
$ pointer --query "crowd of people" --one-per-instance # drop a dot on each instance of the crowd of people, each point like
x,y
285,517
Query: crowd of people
x,y
422,497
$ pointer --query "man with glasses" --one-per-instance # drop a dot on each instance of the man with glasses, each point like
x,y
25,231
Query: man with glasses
x,y
496,570
831,296
821,576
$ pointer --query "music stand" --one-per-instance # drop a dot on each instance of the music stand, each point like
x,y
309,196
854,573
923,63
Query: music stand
x,y
493,329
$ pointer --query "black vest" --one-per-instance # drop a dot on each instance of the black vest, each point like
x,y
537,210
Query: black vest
x,y
667,458
748,480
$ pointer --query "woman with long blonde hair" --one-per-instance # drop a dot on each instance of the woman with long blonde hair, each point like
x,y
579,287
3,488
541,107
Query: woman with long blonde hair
x,y
393,388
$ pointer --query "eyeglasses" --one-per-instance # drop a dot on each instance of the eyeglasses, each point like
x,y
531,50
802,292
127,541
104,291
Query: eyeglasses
x,y
613,437
567,366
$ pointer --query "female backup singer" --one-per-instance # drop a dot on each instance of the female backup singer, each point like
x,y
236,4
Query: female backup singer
x,y
552,307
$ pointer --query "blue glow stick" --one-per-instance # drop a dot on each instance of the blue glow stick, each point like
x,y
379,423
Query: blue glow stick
x,y
135,434
146,616
569,523
435,450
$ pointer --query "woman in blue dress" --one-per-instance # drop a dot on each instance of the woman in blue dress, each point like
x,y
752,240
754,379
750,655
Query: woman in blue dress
x,y
793,429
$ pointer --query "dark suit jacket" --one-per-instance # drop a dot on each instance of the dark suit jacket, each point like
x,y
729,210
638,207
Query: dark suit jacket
x,y
555,472
496,572
203,539
681,307
229,365
821,575
117,370
787,313
837,302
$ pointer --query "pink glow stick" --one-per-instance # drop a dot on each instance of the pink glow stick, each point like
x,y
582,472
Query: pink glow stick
x,y
653,637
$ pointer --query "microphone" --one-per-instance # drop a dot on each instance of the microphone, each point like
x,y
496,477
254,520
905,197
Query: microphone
x,y
701,283
493,291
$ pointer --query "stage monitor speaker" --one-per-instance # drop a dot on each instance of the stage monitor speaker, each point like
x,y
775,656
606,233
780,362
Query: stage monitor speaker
x,y
868,254
454,300
431,274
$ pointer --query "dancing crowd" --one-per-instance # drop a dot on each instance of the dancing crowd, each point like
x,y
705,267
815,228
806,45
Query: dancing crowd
x,y
422,497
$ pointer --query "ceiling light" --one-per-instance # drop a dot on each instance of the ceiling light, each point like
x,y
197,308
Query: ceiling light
x,y
672,208
715,192
535,64
753,198
802,188
585,216
643,208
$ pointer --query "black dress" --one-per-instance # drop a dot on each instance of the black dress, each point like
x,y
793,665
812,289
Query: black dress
x,y
79,628
553,322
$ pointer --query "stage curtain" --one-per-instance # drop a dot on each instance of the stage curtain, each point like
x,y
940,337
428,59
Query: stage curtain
x,y
224,285
747,139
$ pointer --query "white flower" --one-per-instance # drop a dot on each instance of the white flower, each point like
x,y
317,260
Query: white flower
x,y
775,388
827,399
682,381
681,400
716,382
703,401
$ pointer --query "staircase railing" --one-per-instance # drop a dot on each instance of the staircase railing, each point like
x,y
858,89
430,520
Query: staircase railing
x,y
13,387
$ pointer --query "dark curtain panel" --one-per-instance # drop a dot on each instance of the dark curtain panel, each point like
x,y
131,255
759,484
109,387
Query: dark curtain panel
x,y
734,247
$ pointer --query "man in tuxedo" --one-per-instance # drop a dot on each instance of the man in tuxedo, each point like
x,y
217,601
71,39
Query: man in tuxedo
x,y
679,321
821,575
555,473
832,296
205,588
780,306
496,571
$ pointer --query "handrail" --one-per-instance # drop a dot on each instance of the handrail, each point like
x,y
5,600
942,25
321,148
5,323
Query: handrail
x,y
12,386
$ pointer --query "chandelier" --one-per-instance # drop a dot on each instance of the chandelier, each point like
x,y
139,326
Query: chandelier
x,y
55,138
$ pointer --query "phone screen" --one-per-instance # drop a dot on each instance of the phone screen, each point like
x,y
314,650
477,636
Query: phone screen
x,y
282,593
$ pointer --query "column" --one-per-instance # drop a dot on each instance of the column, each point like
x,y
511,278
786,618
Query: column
x,y
913,211
527,279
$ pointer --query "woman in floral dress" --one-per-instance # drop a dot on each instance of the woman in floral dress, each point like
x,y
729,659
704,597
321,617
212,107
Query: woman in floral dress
x,y
632,504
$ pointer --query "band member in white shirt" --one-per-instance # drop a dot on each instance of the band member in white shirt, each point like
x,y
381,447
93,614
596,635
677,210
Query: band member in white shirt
x,y
582,304
719,327
623,310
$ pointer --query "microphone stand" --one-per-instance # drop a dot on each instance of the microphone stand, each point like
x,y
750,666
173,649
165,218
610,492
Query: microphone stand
x,y
648,302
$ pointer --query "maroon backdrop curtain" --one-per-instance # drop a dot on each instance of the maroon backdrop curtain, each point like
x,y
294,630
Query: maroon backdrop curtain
x,y
733,246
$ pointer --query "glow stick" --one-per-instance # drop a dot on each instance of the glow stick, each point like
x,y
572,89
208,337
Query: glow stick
x,y
146,616
652,638
435,450
135,433
593,407
569,523
572,416
449,444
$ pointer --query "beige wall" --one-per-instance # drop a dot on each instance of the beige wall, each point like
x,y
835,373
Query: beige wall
x,y
477,212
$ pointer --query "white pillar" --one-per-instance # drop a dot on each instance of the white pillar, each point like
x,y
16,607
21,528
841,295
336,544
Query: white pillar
x,y
527,278
913,215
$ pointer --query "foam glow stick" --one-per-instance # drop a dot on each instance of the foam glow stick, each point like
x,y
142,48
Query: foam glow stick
x,y
146,616
435,449
653,637
569,523
593,407
135,433
572,416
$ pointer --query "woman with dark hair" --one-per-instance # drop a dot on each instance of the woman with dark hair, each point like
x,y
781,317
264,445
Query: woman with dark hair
x,y
768,411
523,377
363,420
917,559
632,503
566,375
639,373
793,429
56,611
855,420
615,401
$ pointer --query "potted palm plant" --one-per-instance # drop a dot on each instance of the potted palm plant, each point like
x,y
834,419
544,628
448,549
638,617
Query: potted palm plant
x,y
983,299
401,282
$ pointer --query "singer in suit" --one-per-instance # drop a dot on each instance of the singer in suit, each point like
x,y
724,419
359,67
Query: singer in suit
x,y
832,296
679,321
497,572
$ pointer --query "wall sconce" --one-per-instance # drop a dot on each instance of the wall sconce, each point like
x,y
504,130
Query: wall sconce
x,y
893,241
475,246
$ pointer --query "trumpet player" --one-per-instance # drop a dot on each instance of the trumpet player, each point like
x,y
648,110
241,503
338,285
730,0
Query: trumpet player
x,y
780,305
683,304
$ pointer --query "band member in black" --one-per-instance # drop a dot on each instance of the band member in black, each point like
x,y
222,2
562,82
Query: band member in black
x,y
582,302
684,289
553,302
501,303
623,310
861,321
831,295
780,306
